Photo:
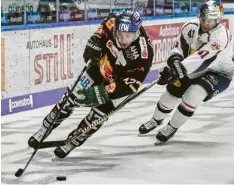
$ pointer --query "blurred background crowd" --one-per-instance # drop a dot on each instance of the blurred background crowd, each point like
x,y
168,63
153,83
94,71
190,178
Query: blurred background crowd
x,y
17,12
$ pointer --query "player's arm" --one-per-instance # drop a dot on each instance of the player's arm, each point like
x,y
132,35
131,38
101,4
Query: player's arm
x,y
130,82
206,54
96,43
180,51
182,44
127,84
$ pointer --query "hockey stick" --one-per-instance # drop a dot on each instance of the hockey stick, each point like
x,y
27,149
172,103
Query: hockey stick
x,y
50,144
20,171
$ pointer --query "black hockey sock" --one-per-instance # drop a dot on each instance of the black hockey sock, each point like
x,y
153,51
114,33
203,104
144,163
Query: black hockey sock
x,y
68,109
86,127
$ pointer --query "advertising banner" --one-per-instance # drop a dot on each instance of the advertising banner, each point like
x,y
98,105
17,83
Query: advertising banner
x,y
163,38
64,15
12,19
148,12
48,17
38,64
56,56
103,13
16,63
3,80
69,16
31,101
33,17
42,59
4,19
92,14
15,18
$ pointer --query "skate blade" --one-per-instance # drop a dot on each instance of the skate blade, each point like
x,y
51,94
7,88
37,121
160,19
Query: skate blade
x,y
146,135
157,142
56,158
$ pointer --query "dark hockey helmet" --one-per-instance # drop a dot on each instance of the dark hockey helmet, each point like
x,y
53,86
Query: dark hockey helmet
x,y
129,21
127,27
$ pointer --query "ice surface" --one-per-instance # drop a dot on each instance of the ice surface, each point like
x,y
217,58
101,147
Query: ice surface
x,y
202,151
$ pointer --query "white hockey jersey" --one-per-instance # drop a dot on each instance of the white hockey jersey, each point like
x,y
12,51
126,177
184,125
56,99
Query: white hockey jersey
x,y
212,51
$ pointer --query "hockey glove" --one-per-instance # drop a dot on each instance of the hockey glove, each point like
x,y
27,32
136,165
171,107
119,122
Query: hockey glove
x,y
91,96
178,71
164,76
93,51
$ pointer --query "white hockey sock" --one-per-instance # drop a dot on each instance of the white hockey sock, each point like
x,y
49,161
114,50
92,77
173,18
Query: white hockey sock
x,y
192,98
165,105
179,117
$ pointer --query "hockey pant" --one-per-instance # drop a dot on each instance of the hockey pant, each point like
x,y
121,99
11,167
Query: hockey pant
x,y
96,113
192,92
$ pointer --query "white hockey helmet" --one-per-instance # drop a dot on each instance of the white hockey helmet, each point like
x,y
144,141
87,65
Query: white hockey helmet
x,y
211,10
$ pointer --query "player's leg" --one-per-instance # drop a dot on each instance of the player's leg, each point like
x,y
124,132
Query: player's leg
x,y
203,89
85,81
167,102
75,138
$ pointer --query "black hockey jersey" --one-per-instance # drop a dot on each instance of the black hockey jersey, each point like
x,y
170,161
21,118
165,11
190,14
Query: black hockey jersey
x,y
123,69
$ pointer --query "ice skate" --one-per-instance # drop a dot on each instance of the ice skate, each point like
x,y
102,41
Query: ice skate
x,y
149,126
165,134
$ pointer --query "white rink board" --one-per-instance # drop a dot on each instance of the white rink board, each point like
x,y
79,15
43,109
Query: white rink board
x,y
42,62
27,66
31,62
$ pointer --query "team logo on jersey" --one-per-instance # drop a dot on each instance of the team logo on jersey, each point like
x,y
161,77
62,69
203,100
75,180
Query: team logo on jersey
x,y
116,53
177,83
215,93
144,50
121,59
132,53
137,69
192,50
215,46
213,79
112,48
111,87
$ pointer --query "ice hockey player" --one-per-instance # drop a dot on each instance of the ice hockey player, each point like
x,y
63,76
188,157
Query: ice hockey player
x,y
121,56
200,67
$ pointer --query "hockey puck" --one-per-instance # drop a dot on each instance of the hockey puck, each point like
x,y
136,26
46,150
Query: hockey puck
x,y
61,178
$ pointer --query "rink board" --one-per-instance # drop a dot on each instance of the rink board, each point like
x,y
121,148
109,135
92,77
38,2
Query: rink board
x,y
40,63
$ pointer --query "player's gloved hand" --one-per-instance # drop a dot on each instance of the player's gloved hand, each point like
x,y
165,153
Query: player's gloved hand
x,y
178,71
91,96
93,51
164,76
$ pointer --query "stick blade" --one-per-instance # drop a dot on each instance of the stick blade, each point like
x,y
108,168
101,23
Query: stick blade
x,y
50,144
19,172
